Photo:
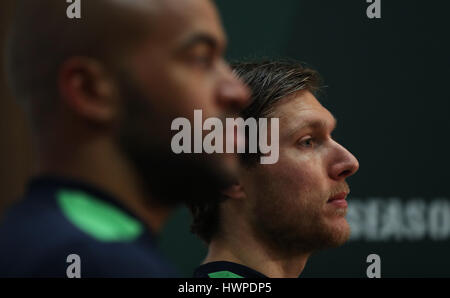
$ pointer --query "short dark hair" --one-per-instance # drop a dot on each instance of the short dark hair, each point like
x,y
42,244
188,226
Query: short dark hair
x,y
269,81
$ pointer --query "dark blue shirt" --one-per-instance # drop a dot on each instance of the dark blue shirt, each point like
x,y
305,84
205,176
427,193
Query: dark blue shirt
x,y
59,217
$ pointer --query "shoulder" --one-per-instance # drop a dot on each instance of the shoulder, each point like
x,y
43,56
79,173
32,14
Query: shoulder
x,y
38,234
101,259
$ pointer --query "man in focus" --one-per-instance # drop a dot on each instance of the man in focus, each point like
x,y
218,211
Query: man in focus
x,y
275,216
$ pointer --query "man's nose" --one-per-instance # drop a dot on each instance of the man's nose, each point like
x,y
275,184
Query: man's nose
x,y
344,165
233,94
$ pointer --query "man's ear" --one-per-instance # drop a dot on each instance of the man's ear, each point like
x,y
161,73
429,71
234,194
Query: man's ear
x,y
236,191
88,90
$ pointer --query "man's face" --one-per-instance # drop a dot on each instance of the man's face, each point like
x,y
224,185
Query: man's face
x,y
289,202
179,68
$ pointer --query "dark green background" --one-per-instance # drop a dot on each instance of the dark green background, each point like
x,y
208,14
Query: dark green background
x,y
387,84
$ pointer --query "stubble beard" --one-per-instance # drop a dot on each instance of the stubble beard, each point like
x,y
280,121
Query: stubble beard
x,y
294,229
168,178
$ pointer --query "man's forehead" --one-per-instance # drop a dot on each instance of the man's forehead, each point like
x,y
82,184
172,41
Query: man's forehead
x,y
303,110
184,19
302,102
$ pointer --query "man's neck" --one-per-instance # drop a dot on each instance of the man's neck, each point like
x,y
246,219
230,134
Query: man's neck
x,y
102,166
250,252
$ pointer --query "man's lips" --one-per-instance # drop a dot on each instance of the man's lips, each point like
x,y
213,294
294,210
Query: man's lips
x,y
338,200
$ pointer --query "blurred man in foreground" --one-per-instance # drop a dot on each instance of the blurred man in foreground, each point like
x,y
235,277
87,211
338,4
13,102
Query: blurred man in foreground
x,y
275,216
101,92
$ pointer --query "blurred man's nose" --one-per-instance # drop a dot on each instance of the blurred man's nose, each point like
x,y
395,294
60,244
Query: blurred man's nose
x,y
344,164
233,94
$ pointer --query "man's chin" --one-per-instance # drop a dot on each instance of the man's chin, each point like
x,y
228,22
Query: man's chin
x,y
189,178
227,165
339,231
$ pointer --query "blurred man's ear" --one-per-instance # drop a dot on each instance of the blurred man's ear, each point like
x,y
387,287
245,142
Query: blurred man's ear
x,y
87,90
236,191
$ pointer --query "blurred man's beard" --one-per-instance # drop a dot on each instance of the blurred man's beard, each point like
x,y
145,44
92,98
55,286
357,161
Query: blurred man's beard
x,y
290,228
168,178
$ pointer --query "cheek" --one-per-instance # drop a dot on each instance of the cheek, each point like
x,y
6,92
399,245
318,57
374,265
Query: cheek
x,y
176,84
291,180
180,96
303,171
193,91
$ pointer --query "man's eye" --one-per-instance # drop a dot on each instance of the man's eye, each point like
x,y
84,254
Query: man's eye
x,y
307,142
205,61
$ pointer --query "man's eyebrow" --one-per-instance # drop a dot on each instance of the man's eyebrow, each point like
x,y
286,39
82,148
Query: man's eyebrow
x,y
200,38
314,124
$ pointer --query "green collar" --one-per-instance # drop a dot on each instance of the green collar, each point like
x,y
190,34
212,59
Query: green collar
x,y
97,218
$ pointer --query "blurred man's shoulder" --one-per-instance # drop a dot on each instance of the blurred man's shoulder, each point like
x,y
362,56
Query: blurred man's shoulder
x,y
51,226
